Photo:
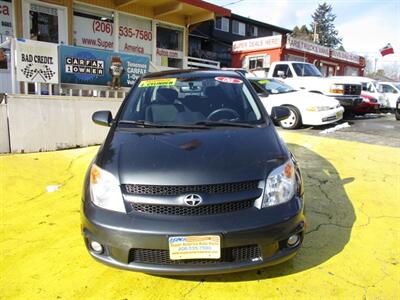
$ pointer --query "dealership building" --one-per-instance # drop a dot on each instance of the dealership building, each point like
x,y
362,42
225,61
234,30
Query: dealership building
x,y
153,32
261,52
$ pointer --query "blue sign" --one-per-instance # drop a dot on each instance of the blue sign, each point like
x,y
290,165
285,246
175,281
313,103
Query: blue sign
x,y
100,67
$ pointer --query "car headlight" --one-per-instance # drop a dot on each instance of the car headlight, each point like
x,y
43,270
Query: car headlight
x,y
337,89
318,108
105,190
280,185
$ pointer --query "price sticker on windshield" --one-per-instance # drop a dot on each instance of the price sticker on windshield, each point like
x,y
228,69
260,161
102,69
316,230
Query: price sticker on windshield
x,y
158,82
229,80
263,81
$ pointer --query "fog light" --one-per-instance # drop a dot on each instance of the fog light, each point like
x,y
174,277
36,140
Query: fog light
x,y
294,240
96,247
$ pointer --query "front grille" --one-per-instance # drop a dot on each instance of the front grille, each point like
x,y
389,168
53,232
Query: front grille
x,y
161,257
179,210
352,89
173,190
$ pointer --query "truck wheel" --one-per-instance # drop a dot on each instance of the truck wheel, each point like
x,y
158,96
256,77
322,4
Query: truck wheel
x,y
293,121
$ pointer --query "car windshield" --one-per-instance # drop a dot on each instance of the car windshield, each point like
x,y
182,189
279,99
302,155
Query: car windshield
x,y
306,70
186,101
397,86
273,86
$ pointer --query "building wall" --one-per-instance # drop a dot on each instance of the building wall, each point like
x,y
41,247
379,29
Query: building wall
x,y
237,58
4,141
221,41
315,59
46,123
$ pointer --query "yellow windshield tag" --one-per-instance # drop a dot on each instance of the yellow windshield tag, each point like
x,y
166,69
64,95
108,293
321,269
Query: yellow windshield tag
x,y
158,82
263,81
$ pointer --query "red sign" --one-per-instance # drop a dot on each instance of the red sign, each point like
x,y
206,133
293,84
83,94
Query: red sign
x,y
228,80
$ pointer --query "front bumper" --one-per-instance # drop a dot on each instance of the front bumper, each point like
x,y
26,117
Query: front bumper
x,y
349,102
121,233
322,117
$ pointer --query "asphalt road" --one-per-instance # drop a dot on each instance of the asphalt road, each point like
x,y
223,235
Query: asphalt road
x,y
378,129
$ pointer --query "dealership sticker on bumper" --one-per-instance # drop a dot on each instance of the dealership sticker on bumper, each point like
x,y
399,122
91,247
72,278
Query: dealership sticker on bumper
x,y
195,247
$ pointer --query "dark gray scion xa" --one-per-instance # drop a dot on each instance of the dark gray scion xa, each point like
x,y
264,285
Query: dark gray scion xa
x,y
192,179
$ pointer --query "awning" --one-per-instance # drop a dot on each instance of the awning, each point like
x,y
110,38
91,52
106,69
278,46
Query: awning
x,y
192,11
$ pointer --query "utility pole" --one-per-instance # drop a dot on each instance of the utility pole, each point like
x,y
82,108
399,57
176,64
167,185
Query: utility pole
x,y
315,34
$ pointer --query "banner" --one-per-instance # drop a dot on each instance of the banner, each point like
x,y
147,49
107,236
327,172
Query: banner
x,y
98,67
262,43
93,33
36,61
5,20
347,56
305,46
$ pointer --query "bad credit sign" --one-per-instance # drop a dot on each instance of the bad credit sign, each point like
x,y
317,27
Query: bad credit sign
x,y
36,61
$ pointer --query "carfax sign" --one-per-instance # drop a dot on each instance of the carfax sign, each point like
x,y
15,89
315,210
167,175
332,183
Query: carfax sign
x,y
100,67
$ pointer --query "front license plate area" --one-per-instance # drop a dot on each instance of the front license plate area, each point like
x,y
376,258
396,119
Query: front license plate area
x,y
195,247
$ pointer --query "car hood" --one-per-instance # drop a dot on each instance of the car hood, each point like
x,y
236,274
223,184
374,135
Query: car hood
x,y
191,157
302,98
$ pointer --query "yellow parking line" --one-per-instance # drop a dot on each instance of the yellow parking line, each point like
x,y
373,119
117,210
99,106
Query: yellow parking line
x,y
351,249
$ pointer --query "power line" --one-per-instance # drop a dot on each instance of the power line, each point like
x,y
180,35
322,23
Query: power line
x,y
234,2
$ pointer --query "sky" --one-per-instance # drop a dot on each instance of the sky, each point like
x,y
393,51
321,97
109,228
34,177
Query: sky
x,y
365,25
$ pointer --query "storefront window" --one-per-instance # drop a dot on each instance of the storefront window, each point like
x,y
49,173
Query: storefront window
x,y
256,62
93,28
168,38
169,47
43,23
350,71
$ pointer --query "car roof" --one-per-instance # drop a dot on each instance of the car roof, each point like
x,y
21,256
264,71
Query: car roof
x,y
186,73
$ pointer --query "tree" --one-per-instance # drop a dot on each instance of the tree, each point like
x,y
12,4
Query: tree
x,y
302,33
323,19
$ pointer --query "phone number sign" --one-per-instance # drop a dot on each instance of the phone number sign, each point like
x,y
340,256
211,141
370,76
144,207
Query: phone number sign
x,y
135,34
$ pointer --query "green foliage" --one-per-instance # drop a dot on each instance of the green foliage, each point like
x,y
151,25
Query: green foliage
x,y
302,33
324,19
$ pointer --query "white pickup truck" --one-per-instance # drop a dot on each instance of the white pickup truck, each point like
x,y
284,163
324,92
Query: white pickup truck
x,y
306,76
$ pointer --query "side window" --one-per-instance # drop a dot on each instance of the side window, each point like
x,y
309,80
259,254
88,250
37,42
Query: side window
x,y
285,68
371,88
388,89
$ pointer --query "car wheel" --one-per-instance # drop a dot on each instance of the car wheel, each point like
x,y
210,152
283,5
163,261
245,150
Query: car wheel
x,y
397,115
294,119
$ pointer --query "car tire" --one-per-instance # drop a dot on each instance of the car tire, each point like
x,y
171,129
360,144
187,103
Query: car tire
x,y
397,113
293,121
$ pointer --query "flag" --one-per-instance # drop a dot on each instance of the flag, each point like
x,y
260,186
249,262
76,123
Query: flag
x,y
388,49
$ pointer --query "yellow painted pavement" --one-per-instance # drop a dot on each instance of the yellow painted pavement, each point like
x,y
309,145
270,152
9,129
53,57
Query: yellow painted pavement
x,y
351,249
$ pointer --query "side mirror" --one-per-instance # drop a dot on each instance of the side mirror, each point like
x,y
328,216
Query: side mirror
x,y
102,117
279,113
281,74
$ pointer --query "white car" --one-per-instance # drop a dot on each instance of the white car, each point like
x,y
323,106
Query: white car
x,y
370,88
305,107
391,91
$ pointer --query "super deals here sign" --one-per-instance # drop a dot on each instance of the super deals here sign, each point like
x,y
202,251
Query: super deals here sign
x,y
36,61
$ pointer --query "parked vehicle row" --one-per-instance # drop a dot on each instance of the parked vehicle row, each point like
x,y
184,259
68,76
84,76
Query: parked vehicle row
x,y
306,76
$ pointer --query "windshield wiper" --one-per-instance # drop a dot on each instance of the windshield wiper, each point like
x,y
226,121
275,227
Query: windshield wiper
x,y
219,123
146,124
